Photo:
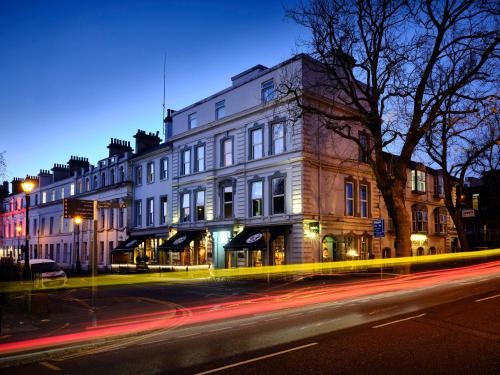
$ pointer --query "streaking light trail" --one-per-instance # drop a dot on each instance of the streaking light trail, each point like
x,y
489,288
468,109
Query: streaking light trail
x,y
277,301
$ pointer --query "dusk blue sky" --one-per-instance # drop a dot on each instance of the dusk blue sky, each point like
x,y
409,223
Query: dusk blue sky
x,y
73,74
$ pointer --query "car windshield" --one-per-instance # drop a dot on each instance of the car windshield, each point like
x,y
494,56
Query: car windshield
x,y
44,267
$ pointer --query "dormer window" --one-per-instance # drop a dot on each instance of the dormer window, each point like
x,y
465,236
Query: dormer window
x,y
267,91
220,109
192,120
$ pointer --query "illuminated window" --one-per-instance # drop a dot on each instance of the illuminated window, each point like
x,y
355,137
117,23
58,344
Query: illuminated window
x,y
185,207
418,181
150,211
256,144
72,189
163,169
475,201
256,195
227,152
151,172
186,162
163,209
200,205
44,197
62,192
199,155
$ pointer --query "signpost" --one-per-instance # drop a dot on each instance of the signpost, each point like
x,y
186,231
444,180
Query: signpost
x,y
78,207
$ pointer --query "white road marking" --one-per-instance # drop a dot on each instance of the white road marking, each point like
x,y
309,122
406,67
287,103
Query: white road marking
x,y
246,324
256,359
270,320
51,366
400,320
190,334
486,298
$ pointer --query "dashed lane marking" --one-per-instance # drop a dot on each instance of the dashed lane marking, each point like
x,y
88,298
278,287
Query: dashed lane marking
x,y
399,320
50,366
487,298
256,359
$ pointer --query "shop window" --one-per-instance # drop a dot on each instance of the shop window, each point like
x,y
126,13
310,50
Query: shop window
x,y
278,249
475,201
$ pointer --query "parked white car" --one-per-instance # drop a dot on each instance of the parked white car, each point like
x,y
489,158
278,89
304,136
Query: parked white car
x,y
47,273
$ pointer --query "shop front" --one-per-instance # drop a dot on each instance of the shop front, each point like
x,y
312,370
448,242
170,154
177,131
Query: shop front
x,y
185,248
130,250
250,247
346,247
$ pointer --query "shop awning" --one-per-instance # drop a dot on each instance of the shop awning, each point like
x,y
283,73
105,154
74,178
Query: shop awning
x,y
130,244
180,240
252,238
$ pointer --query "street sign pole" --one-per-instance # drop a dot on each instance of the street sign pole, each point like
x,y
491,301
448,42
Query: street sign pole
x,y
94,264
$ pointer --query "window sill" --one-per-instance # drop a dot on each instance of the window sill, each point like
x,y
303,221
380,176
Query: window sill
x,y
418,192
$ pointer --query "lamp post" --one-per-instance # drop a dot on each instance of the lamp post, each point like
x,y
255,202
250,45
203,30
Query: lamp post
x,y
27,186
78,221
19,228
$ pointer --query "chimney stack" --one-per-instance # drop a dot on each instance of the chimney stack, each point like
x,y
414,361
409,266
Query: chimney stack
x,y
60,172
118,147
44,177
16,185
76,163
145,141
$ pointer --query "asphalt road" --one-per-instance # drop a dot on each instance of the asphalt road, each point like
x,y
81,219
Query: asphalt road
x,y
446,326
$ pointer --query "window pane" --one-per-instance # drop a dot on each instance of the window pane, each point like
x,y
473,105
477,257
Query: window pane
x,y
228,152
257,190
278,138
278,186
256,144
200,198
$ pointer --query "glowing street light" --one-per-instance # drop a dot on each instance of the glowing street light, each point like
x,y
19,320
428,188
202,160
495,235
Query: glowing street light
x,y
78,221
19,229
27,186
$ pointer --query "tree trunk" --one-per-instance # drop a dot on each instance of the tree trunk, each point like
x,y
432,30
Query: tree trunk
x,y
395,202
459,224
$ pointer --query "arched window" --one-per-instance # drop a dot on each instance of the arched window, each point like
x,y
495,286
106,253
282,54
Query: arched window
x,y
122,174
87,184
419,218
103,179
95,182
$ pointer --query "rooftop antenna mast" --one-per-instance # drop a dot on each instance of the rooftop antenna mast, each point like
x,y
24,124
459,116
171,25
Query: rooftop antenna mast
x,y
163,114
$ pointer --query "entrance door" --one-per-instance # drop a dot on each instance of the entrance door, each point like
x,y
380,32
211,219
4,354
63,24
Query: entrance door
x,y
329,249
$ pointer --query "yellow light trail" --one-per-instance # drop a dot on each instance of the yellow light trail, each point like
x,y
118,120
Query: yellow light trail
x,y
251,272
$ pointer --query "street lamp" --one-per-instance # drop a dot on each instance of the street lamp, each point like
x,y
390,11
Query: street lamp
x,y
27,186
78,220
19,228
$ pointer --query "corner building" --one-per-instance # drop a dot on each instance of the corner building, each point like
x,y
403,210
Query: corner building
x,y
248,178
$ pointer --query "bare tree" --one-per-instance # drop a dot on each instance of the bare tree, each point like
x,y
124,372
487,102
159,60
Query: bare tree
x,y
3,166
386,66
465,141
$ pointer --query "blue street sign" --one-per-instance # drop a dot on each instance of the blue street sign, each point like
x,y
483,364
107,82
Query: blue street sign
x,y
378,228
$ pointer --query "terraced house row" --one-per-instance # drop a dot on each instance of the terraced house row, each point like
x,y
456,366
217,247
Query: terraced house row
x,y
237,181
